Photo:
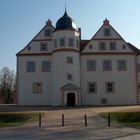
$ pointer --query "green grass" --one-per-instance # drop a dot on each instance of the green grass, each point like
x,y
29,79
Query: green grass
x,y
16,119
131,119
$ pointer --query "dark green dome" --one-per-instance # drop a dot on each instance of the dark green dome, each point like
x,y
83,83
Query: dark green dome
x,y
65,22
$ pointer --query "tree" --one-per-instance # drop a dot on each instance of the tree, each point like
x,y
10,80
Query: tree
x,y
7,84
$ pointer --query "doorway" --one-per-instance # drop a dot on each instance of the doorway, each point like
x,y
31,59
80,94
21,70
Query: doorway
x,y
71,99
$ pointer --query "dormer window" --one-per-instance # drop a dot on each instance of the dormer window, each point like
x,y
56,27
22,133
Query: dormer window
x,y
43,46
102,46
48,32
107,32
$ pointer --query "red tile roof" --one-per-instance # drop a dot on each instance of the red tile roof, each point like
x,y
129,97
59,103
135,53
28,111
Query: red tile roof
x,y
83,43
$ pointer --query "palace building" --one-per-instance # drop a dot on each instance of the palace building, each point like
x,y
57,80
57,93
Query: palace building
x,y
58,68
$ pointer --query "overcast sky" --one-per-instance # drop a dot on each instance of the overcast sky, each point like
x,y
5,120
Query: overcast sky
x,y
21,20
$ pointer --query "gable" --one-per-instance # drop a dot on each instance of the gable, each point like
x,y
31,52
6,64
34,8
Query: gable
x,y
100,34
107,39
34,45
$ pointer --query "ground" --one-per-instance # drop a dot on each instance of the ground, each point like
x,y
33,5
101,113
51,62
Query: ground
x,y
74,129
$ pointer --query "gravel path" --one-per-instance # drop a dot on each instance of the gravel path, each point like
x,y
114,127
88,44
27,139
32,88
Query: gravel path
x,y
74,128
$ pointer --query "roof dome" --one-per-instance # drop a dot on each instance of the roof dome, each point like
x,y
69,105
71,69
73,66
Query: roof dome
x,y
65,22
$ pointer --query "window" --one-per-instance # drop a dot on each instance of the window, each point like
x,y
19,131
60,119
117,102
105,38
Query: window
x,y
138,67
62,42
43,46
112,46
46,66
102,46
69,60
109,86
71,42
55,43
138,87
91,65
92,87
107,65
69,77
30,67
48,32
37,87
122,65
107,32
124,47
103,101
90,47
29,48
77,43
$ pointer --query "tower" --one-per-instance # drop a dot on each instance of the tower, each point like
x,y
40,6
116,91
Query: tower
x,y
66,63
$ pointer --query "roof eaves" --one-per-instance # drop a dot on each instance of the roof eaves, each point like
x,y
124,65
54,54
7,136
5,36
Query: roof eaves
x,y
135,49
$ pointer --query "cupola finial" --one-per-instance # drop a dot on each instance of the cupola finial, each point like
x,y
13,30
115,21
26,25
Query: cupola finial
x,y
106,21
49,22
65,7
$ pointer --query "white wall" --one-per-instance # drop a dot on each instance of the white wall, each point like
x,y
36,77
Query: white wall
x,y
40,38
26,79
100,33
41,34
125,82
60,66
35,47
66,34
95,46
60,69
138,62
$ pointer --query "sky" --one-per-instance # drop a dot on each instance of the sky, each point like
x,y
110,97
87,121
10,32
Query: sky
x,y
21,20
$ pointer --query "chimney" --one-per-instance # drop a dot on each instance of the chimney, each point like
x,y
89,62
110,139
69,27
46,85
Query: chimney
x,y
79,29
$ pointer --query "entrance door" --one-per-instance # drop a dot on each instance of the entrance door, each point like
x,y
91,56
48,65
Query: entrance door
x,y
70,99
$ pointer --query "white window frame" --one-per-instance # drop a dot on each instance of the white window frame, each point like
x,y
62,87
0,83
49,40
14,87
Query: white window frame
x,y
122,65
62,42
43,46
71,42
112,46
37,87
55,43
92,87
77,43
30,68
104,101
91,65
138,67
101,46
107,65
48,33
69,76
46,68
110,89
138,86
69,60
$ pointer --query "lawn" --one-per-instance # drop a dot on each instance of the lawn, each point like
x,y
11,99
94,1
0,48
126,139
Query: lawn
x,y
131,119
16,119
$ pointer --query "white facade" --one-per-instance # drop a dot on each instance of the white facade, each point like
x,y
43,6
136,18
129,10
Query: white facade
x,y
57,68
